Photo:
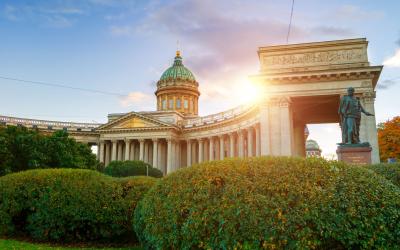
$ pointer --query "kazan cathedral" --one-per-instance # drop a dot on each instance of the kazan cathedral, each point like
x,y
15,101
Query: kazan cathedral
x,y
301,84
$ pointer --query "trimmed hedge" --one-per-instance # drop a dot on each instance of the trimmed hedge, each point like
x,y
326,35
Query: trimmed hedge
x,y
270,202
69,205
131,168
390,171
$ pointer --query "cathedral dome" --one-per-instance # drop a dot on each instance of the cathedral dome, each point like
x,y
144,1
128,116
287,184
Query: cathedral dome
x,y
177,71
178,89
312,145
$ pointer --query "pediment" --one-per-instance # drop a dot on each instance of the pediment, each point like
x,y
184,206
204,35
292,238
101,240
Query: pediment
x,y
133,120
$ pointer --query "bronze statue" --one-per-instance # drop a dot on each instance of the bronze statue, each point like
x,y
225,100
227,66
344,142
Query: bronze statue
x,y
350,117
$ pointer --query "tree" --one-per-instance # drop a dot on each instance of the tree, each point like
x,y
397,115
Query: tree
x,y
389,139
22,149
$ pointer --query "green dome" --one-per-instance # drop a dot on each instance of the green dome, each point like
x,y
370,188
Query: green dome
x,y
312,145
177,71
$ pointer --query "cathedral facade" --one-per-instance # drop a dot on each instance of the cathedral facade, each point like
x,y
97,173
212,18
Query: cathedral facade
x,y
302,84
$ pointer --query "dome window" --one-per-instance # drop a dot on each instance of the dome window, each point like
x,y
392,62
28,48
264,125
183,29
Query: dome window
x,y
178,103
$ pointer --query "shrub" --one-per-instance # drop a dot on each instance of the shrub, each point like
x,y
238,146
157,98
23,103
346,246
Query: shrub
x,y
131,168
390,171
272,203
69,204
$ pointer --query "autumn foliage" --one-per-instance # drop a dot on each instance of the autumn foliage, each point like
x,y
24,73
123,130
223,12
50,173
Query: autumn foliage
x,y
389,139
270,203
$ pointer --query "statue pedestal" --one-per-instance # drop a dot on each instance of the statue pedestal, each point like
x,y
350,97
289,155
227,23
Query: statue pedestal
x,y
354,153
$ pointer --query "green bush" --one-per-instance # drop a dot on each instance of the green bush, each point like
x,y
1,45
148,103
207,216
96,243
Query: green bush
x,y
131,168
272,203
390,171
69,205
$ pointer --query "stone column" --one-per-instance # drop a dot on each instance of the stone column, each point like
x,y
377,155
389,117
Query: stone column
x,y
211,149
173,155
101,150
265,145
250,142
201,150
155,152
240,143
141,149
258,149
169,156
177,154
371,133
146,152
286,123
161,155
221,147
189,153
127,149
132,151
114,150
107,153
232,145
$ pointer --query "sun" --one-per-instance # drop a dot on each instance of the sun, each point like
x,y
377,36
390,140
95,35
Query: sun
x,y
248,92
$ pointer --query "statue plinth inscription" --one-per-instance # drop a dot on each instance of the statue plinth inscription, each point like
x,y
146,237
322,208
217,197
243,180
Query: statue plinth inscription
x,y
359,155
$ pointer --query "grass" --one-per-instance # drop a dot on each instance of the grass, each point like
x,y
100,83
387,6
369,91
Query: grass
x,y
19,245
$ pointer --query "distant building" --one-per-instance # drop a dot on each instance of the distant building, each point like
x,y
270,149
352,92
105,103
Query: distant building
x,y
312,149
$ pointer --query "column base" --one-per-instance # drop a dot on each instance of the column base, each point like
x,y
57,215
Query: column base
x,y
359,154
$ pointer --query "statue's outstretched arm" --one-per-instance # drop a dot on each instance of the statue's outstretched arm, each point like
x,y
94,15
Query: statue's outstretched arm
x,y
364,111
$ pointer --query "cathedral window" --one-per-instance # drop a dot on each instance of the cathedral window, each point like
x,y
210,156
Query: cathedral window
x,y
185,104
171,104
178,103
164,104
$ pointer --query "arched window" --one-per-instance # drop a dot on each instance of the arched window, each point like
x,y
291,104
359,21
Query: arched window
x,y
185,104
171,104
178,103
164,104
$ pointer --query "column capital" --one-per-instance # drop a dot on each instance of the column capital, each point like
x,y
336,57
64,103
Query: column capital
x,y
141,140
127,140
221,136
200,139
114,141
154,139
369,96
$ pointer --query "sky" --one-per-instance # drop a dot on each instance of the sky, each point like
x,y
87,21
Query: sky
x,y
120,49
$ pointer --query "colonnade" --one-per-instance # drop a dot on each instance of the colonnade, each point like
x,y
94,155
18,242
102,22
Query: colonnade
x,y
170,154
241,143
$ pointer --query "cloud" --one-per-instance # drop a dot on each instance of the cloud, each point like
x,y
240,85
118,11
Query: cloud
x,y
356,13
393,61
10,13
220,40
125,30
138,100
331,30
388,83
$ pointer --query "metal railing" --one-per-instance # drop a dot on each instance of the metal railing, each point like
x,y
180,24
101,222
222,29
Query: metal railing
x,y
45,123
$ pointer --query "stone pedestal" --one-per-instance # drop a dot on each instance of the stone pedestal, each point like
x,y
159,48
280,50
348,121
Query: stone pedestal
x,y
354,154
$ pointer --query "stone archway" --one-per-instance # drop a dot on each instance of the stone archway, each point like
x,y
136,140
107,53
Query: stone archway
x,y
303,83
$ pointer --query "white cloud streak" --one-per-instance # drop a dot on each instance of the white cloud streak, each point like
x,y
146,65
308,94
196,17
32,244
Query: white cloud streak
x,y
393,61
